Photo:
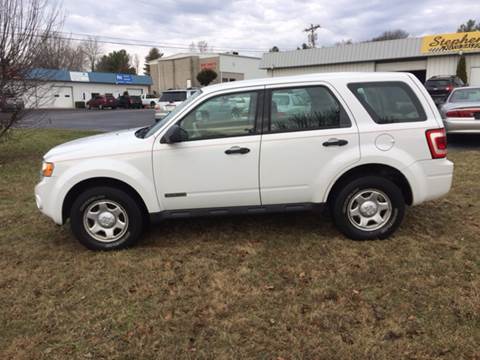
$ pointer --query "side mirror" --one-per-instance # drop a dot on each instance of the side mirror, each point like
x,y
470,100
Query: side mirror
x,y
173,135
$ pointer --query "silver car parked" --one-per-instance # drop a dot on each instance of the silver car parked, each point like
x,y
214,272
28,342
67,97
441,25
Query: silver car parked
x,y
461,111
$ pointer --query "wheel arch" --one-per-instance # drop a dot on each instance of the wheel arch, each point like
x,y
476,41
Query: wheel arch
x,y
383,170
83,185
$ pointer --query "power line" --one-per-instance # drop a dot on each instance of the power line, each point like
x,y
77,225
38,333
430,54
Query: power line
x,y
142,43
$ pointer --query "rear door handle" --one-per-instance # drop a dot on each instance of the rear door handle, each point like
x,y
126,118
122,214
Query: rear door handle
x,y
335,142
237,150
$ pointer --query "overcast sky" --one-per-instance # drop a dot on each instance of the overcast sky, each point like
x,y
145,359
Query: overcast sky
x,y
258,24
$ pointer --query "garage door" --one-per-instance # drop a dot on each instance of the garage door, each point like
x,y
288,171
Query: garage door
x,y
402,66
475,76
62,97
134,91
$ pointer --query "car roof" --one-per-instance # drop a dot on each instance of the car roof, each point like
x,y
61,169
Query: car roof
x,y
179,90
441,77
350,76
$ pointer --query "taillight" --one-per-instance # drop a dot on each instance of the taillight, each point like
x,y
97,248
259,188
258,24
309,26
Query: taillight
x,y
449,88
437,143
463,113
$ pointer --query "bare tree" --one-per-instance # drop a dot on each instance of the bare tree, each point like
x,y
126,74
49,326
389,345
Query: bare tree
x,y
344,42
392,35
192,47
202,46
92,49
136,63
26,27
60,52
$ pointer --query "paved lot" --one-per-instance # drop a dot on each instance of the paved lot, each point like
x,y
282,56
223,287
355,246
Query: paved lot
x,y
111,120
99,120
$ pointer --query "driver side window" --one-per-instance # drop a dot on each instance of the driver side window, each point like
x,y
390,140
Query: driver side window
x,y
222,116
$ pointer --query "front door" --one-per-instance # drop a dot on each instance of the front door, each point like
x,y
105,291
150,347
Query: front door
x,y
217,166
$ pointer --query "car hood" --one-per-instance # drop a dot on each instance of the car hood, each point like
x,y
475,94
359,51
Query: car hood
x,y
108,144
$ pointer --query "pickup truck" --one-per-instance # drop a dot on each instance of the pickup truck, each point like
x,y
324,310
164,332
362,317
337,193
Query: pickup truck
x,y
149,100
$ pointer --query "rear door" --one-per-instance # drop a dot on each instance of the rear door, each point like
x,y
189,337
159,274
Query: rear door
x,y
305,145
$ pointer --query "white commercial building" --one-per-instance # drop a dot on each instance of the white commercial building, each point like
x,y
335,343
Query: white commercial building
x,y
68,89
180,71
425,57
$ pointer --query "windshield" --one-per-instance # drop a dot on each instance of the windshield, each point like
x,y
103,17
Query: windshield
x,y
173,96
466,95
171,114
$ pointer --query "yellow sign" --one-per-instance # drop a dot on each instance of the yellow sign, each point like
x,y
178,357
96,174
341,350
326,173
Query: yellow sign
x,y
437,44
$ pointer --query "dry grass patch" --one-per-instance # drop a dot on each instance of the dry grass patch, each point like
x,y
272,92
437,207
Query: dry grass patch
x,y
279,286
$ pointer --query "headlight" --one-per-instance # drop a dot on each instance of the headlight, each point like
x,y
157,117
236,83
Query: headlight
x,y
47,169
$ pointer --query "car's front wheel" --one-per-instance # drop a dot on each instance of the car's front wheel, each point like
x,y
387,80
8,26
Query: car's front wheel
x,y
370,207
105,218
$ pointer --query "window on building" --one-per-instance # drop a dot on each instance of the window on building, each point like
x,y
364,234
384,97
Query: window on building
x,y
306,108
389,102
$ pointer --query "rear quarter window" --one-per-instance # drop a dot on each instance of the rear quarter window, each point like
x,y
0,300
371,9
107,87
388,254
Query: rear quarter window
x,y
389,102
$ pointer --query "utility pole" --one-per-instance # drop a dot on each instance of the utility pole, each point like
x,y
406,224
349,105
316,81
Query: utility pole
x,y
312,36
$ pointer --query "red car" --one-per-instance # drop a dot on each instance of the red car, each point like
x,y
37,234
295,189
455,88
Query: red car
x,y
101,102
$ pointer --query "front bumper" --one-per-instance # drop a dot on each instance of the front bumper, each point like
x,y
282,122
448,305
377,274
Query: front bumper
x,y
45,199
461,125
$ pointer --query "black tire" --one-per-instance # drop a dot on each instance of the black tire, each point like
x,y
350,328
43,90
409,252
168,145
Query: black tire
x,y
152,104
345,197
135,220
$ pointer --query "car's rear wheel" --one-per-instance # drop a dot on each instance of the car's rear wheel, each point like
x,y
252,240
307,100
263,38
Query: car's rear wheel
x,y
370,207
105,218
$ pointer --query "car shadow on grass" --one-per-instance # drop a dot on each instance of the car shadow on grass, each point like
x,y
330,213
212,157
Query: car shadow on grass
x,y
241,228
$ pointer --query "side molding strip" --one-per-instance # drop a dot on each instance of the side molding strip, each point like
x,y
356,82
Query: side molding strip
x,y
170,195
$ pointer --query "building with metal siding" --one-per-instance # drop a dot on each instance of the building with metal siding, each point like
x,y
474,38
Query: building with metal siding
x,y
392,55
63,88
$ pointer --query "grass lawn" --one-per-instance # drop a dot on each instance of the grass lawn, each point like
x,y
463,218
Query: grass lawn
x,y
269,287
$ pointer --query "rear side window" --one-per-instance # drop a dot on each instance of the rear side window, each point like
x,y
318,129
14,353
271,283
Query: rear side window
x,y
389,102
306,108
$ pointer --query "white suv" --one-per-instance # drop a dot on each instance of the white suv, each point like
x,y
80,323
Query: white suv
x,y
365,144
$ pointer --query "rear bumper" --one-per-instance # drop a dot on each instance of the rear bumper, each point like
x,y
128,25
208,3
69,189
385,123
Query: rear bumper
x,y
433,179
459,125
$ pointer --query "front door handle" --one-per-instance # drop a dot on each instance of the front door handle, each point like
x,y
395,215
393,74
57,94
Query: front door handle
x,y
237,150
335,142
